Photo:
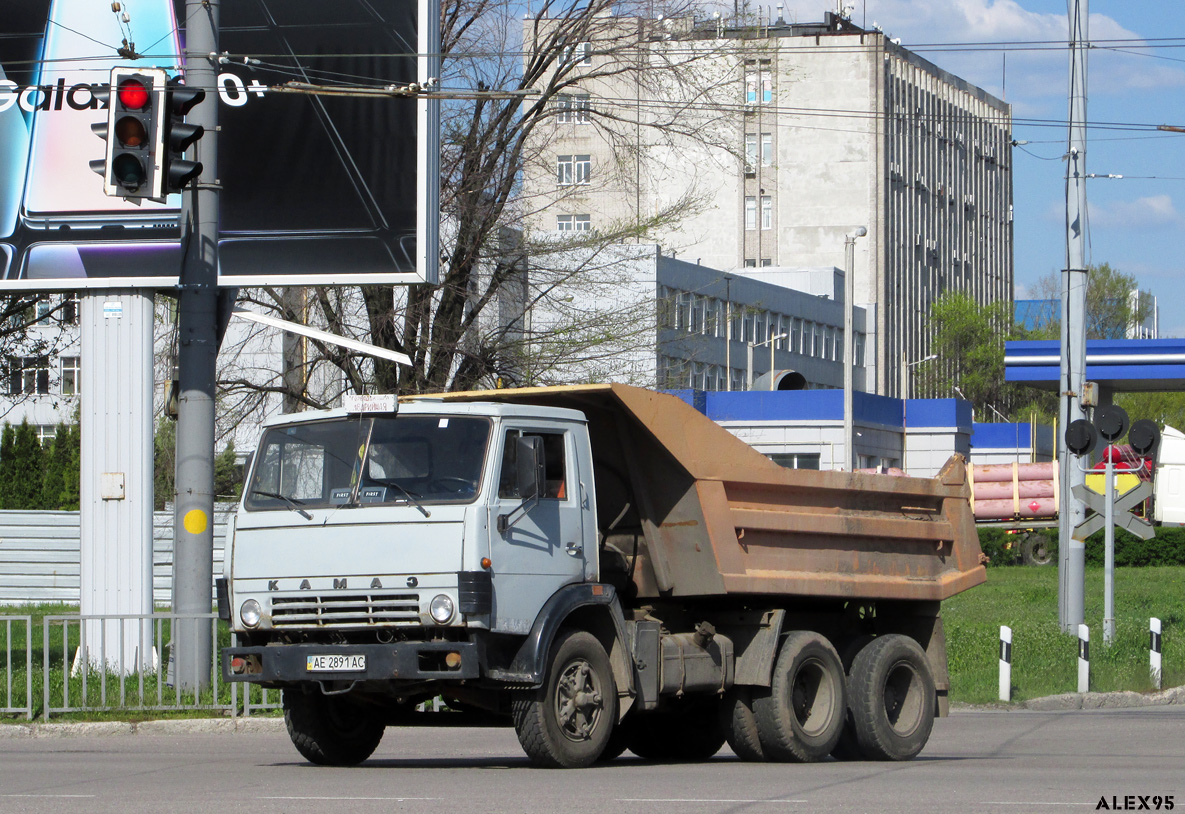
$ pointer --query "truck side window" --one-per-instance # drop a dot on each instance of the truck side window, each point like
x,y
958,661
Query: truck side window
x,y
555,465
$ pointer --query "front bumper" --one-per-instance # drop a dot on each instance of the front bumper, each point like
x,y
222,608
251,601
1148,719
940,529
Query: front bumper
x,y
414,661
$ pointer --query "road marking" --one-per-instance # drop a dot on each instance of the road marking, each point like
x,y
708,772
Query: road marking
x,y
361,799
699,800
54,796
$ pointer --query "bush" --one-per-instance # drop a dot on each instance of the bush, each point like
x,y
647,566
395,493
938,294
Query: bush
x,y
1166,548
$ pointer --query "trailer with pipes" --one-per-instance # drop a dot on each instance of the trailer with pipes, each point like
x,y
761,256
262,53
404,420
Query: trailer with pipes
x,y
602,567
1024,497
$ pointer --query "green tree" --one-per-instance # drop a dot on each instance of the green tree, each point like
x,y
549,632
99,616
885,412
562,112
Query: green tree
x,y
969,359
24,465
164,462
228,475
62,480
1110,308
7,463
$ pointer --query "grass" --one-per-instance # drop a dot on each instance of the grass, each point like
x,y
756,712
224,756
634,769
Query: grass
x,y
93,692
1045,660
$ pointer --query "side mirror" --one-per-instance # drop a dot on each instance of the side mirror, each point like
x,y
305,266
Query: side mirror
x,y
529,463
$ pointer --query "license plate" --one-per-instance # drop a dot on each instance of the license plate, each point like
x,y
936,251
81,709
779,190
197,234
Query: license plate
x,y
326,663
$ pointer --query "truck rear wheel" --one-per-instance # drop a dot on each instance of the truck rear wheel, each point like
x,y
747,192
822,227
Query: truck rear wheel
x,y
741,725
892,696
567,722
331,730
802,717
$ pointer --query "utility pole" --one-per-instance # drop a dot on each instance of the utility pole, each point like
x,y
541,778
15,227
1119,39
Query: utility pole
x,y
193,550
1072,381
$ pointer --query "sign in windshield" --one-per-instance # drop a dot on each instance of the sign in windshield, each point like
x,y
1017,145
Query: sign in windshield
x,y
414,459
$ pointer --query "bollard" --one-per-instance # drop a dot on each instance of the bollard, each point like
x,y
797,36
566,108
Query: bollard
x,y
1154,650
1005,663
1083,658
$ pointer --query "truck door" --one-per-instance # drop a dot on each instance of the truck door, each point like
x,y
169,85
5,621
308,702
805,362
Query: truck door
x,y
543,549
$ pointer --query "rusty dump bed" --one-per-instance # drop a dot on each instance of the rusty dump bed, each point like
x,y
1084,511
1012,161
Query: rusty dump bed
x,y
687,509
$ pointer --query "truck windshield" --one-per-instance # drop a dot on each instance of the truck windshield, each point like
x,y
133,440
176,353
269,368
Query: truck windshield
x,y
412,459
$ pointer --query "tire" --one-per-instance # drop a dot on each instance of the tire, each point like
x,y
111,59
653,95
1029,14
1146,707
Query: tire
x,y
691,732
741,724
331,730
568,721
892,698
802,717
1035,550
848,748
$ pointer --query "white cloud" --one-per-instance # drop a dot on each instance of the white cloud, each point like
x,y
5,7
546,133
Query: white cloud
x,y
1142,213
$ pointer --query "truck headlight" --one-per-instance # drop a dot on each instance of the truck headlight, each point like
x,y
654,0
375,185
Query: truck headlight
x,y
250,613
442,608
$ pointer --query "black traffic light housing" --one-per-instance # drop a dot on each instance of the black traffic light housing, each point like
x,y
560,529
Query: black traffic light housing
x,y
180,135
134,132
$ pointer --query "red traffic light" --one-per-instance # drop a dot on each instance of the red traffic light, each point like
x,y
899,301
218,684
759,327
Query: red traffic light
x,y
133,95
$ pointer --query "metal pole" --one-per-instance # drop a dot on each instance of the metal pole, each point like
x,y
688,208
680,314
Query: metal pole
x,y
749,367
1072,558
728,332
771,362
193,552
849,289
1109,553
904,408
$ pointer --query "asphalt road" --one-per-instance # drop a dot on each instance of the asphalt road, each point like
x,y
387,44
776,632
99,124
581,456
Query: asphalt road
x,y
1014,762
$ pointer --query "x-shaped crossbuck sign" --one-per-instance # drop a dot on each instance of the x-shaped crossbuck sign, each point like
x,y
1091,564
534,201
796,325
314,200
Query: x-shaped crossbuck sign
x,y
1123,507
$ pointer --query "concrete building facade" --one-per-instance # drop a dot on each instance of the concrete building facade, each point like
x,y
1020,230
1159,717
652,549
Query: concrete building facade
x,y
794,137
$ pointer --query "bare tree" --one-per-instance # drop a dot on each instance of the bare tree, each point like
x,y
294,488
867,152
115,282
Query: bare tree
x,y
34,328
499,311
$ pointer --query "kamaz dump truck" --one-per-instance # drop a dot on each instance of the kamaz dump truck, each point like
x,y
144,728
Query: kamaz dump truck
x,y
603,567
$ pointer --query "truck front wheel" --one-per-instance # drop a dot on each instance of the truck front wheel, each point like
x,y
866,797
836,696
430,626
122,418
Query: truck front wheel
x,y
331,730
802,716
567,722
891,698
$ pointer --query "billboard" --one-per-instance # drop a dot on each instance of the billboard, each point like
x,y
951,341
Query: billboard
x,y
315,190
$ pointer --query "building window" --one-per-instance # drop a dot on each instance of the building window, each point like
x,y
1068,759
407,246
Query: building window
x,y
858,350
573,108
28,375
750,213
573,223
750,152
766,262
70,309
577,54
71,375
759,86
573,169
796,460
794,334
767,212
767,149
46,433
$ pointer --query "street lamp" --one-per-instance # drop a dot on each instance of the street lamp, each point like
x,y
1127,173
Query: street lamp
x,y
905,366
727,332
849,286
769,342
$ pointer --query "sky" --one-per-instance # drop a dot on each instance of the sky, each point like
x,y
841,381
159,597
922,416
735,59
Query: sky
x,y
1017,50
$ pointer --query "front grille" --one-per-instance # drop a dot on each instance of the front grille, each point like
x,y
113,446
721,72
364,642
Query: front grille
x,y
345,610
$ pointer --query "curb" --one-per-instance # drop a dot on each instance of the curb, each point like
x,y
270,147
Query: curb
x,y
188,726
1090,700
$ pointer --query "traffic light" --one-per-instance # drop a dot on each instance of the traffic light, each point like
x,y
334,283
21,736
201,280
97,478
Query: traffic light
x,y
134,132
180,135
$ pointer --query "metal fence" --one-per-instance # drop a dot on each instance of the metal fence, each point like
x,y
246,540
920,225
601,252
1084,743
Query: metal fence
x,y
40,555
70,663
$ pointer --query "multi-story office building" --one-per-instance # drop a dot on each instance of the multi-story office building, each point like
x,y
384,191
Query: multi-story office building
x,y
769,145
